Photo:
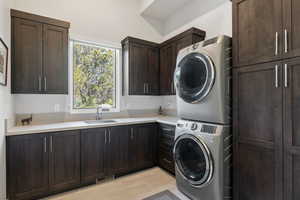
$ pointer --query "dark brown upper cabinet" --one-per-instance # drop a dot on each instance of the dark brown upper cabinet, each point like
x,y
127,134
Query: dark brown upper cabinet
x,y
150,66
257,31
39,54
141,65
291,28
266,36
168,55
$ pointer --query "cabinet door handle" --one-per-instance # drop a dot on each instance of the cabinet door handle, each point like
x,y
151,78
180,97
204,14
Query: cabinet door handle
x,y
144,88
105,139
40,83
285,75
131,134
45,82
109,136
276,76
285,41
51,145
166,160
276,44
148,88
45,144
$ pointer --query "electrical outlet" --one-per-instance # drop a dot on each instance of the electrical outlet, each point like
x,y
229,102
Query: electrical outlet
x,y
56,108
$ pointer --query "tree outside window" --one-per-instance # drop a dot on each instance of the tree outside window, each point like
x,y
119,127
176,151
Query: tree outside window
x,y
94,80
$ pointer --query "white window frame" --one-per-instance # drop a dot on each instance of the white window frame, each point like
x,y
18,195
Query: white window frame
x,y
117,77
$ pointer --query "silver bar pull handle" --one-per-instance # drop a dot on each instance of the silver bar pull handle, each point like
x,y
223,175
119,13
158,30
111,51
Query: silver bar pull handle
x,y
285,41
45,82
40,83
51,145
105,139
131,134
276,43
276,76
109,136
286,75
45,144
144,88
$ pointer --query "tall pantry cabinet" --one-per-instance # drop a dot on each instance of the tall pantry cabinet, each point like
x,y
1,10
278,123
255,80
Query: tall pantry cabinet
x,y
266,99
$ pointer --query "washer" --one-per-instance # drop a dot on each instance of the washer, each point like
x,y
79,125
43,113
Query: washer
x,y
203,160
202,79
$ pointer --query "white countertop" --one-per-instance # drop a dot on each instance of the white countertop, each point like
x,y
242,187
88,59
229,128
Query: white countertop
x,y
21,130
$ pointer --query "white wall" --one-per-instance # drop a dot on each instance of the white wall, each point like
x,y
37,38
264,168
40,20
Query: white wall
x,y
6,110
100,21
215,22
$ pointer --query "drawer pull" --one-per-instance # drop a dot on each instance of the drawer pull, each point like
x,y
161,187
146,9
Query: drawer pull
x,y
167,161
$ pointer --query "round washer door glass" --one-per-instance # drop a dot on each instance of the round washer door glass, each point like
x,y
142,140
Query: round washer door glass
x,y
193,160
195,75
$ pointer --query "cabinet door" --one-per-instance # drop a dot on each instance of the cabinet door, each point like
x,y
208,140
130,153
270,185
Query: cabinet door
x,y
292,132
26,56
93,143
167,69
146,145
153,71
64,160
55,60
291,28
138,62
27,166
118,157
255,24
257,126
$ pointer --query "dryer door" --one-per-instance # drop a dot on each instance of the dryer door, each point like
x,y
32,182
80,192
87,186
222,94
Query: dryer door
x,y
193,160
194,76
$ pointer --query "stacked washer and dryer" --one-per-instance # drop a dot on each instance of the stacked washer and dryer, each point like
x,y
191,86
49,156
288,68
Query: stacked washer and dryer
x,y
203,139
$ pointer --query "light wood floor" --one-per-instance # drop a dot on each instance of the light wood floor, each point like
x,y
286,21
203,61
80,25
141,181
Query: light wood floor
x,y
132,187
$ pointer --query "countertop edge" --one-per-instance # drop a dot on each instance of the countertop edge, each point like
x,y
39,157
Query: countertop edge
x,y
86,126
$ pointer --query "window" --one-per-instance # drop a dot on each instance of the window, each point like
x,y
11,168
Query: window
x,y
95,70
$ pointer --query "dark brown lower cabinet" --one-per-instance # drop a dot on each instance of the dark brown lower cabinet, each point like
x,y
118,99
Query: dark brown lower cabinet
x,y
292,130
64,160
42,164
258,158
166,135
117,150
142,148
27,166
93,145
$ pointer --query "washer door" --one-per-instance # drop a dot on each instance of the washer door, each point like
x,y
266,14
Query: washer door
x,y
193,160
194,76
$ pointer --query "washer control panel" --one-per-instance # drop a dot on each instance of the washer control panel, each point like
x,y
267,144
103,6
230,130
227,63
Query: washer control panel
x,y
200,127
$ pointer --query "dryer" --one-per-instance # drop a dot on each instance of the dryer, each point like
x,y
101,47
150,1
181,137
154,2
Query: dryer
x,y
203,80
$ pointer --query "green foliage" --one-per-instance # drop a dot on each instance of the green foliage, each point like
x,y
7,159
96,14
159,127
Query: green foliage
x,y
93,76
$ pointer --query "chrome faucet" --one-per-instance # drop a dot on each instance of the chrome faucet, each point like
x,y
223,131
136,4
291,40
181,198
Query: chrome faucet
x,y
98,113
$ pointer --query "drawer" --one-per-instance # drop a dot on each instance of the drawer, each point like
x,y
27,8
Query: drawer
x,y
166,161
167,130
166,141
166,149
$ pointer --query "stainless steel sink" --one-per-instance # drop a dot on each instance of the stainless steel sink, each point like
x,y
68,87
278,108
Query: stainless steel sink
x,y
100,121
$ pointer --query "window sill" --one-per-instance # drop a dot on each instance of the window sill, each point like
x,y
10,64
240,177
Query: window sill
x,y
93,111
